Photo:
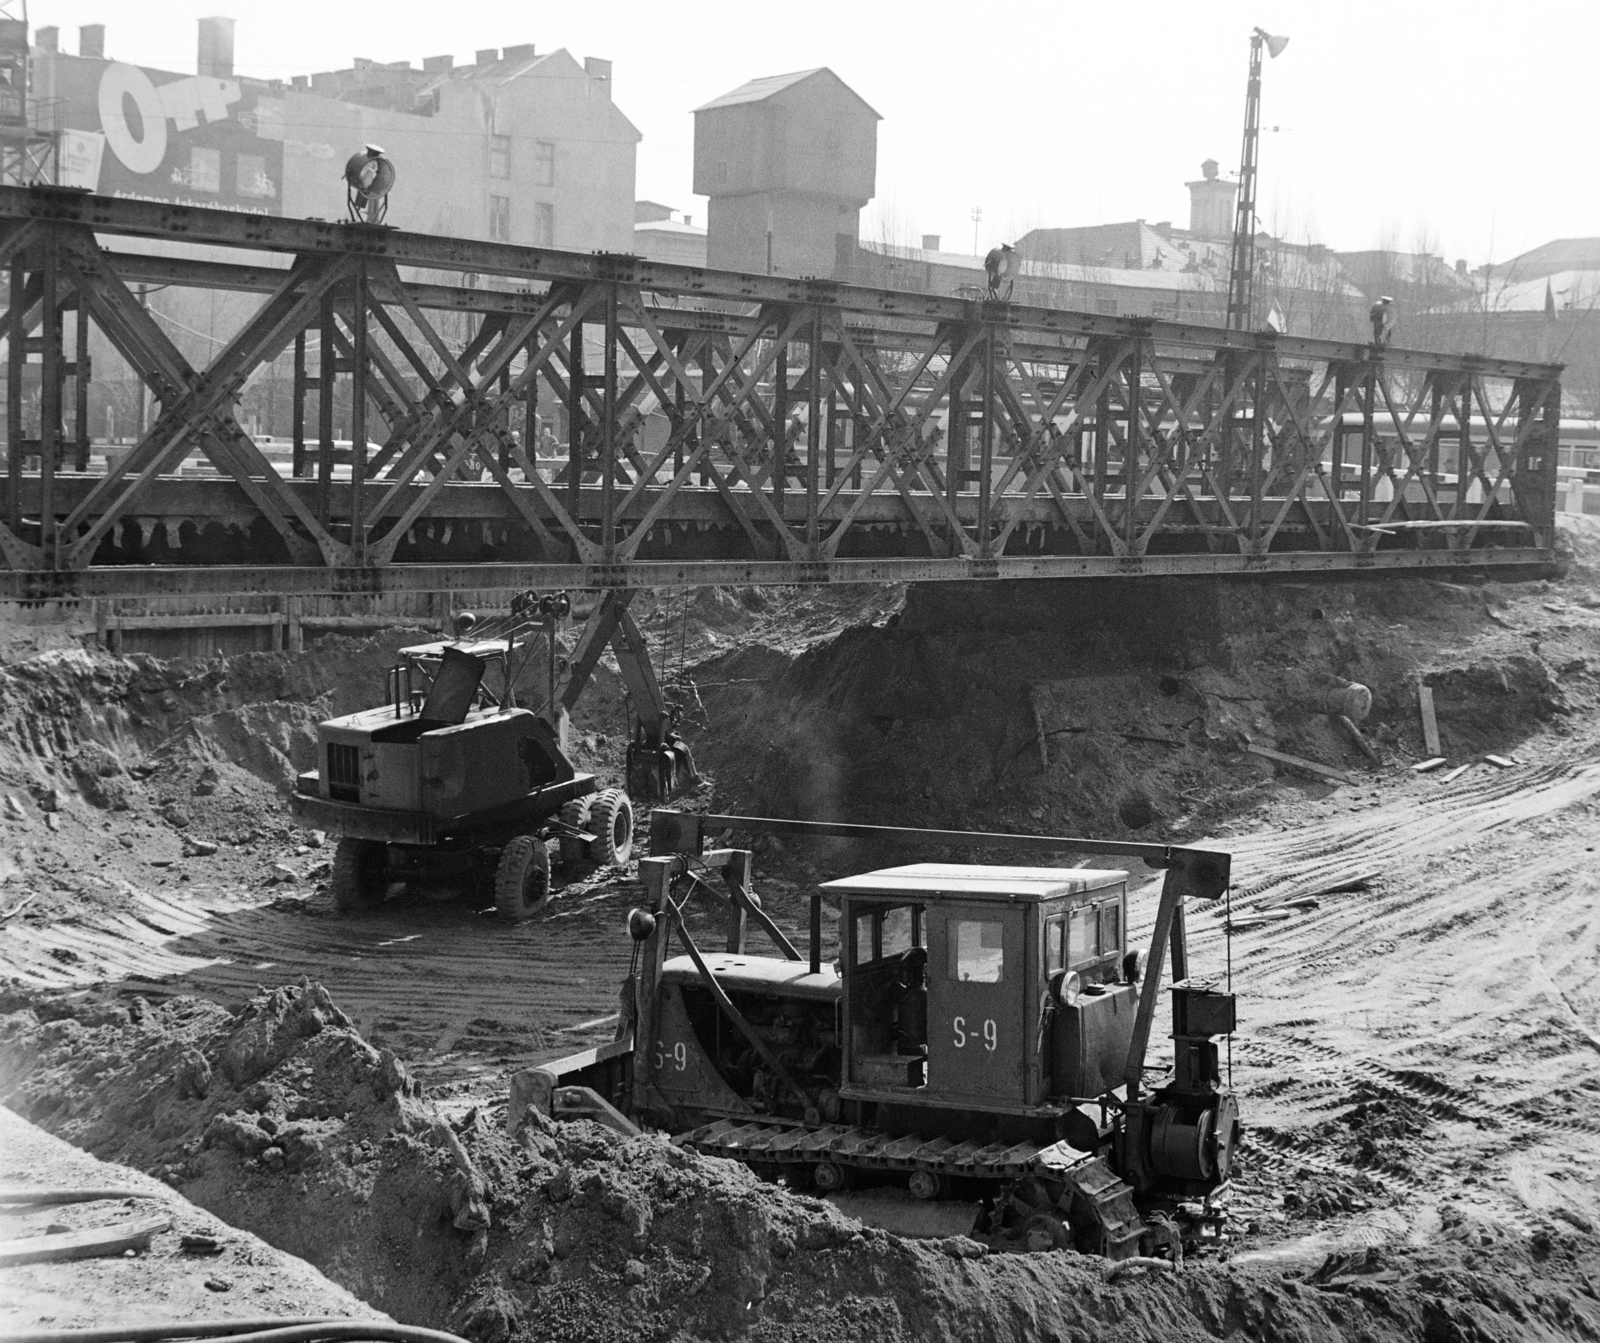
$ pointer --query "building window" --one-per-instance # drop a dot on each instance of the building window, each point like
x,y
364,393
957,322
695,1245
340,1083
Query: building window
x,y
544,163
544,224
500,218
722,172
205,169
499,156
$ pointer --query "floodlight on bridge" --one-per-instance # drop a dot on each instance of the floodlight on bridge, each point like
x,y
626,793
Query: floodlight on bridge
x,y
1275,45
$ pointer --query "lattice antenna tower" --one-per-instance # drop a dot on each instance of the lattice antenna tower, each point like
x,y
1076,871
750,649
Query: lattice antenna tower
x,y
1242,271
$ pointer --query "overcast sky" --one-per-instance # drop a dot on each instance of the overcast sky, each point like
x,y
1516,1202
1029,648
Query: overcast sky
x,y
1473,126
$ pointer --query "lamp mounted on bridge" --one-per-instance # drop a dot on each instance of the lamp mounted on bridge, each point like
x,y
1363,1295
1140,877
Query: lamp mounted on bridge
x,y
368,178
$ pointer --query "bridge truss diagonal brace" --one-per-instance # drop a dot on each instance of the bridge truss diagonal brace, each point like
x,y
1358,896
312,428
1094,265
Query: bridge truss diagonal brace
x,y
150,352
203,406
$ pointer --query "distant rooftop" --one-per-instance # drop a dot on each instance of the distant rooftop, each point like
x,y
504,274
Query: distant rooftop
x,y
759,90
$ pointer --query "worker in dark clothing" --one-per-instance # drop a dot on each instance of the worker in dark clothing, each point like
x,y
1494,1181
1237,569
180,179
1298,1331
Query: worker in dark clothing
x,y
1381,315
1001,267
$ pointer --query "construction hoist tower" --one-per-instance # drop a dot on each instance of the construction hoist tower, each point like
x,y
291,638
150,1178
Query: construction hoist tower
x,y
1241,273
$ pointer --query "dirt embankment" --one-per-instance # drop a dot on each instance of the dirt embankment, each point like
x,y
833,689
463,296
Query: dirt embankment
x,y
1117,707
282,1120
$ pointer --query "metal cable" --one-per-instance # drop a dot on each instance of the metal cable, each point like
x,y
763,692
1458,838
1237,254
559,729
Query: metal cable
x,y
294,1329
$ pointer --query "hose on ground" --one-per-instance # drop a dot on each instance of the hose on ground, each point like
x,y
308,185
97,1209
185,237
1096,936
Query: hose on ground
x,y
11,1197
291,1329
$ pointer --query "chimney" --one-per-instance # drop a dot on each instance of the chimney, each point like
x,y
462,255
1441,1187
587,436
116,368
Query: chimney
x,y
216,48
688,221
523,51
599,71
300,83
1461,266
92,41
437,65
488,56
930,242
46,39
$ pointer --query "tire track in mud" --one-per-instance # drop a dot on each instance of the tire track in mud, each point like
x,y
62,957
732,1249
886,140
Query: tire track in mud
x,y
462,996
1404,991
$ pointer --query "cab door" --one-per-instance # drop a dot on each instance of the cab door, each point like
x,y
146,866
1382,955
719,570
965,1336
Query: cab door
x,y
976,963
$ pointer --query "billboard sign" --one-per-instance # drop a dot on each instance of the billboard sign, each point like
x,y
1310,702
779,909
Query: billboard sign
x,y
156,135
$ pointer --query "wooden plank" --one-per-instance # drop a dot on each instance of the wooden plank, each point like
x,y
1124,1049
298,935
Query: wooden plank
x,y
1430,724
1457,772
1332,886
97,1243
1500,761
218,620
1310,766
1424,766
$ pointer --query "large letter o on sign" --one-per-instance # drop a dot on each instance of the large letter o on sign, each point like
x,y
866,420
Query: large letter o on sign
x,y
119,83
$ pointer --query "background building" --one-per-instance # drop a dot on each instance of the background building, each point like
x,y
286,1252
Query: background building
x,y
517,147
788,162
659,237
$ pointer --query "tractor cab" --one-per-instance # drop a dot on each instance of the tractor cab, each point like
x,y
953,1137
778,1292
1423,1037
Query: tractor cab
x,y
992,986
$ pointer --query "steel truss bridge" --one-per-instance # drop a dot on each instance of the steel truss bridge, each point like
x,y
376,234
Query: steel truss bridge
x,y
718,427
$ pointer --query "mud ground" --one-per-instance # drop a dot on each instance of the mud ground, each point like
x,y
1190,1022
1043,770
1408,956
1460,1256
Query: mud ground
x,y
1419,1055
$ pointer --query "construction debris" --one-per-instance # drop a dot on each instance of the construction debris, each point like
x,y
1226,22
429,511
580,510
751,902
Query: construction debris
x,y
1432,763
1310,766
1457,772
1430,724
1500,761
1354,733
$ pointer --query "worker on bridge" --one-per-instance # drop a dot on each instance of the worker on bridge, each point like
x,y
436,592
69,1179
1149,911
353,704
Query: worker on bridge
x,y
1001,267
1382,315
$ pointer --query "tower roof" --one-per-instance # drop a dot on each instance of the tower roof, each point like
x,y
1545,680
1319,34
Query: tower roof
x,y
759,90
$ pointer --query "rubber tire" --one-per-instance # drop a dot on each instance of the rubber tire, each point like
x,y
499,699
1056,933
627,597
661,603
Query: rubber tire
x,y
575,852
358,881
611,823
522,879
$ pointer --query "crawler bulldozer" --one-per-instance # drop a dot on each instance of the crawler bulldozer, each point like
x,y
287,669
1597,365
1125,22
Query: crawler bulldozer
x,y
982,1036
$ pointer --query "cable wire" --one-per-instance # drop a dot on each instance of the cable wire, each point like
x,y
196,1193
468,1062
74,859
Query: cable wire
x,y
292,1329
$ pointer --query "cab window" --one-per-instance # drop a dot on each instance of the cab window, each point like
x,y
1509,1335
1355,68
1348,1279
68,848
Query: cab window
x,y
865,950
1055,945
1083,940
896,933
1110,927
977,952
881,933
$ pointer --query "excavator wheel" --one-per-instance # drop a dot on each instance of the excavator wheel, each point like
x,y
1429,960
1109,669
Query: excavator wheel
x,y
611,824
358,881
575,852
1045,1231
522,880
